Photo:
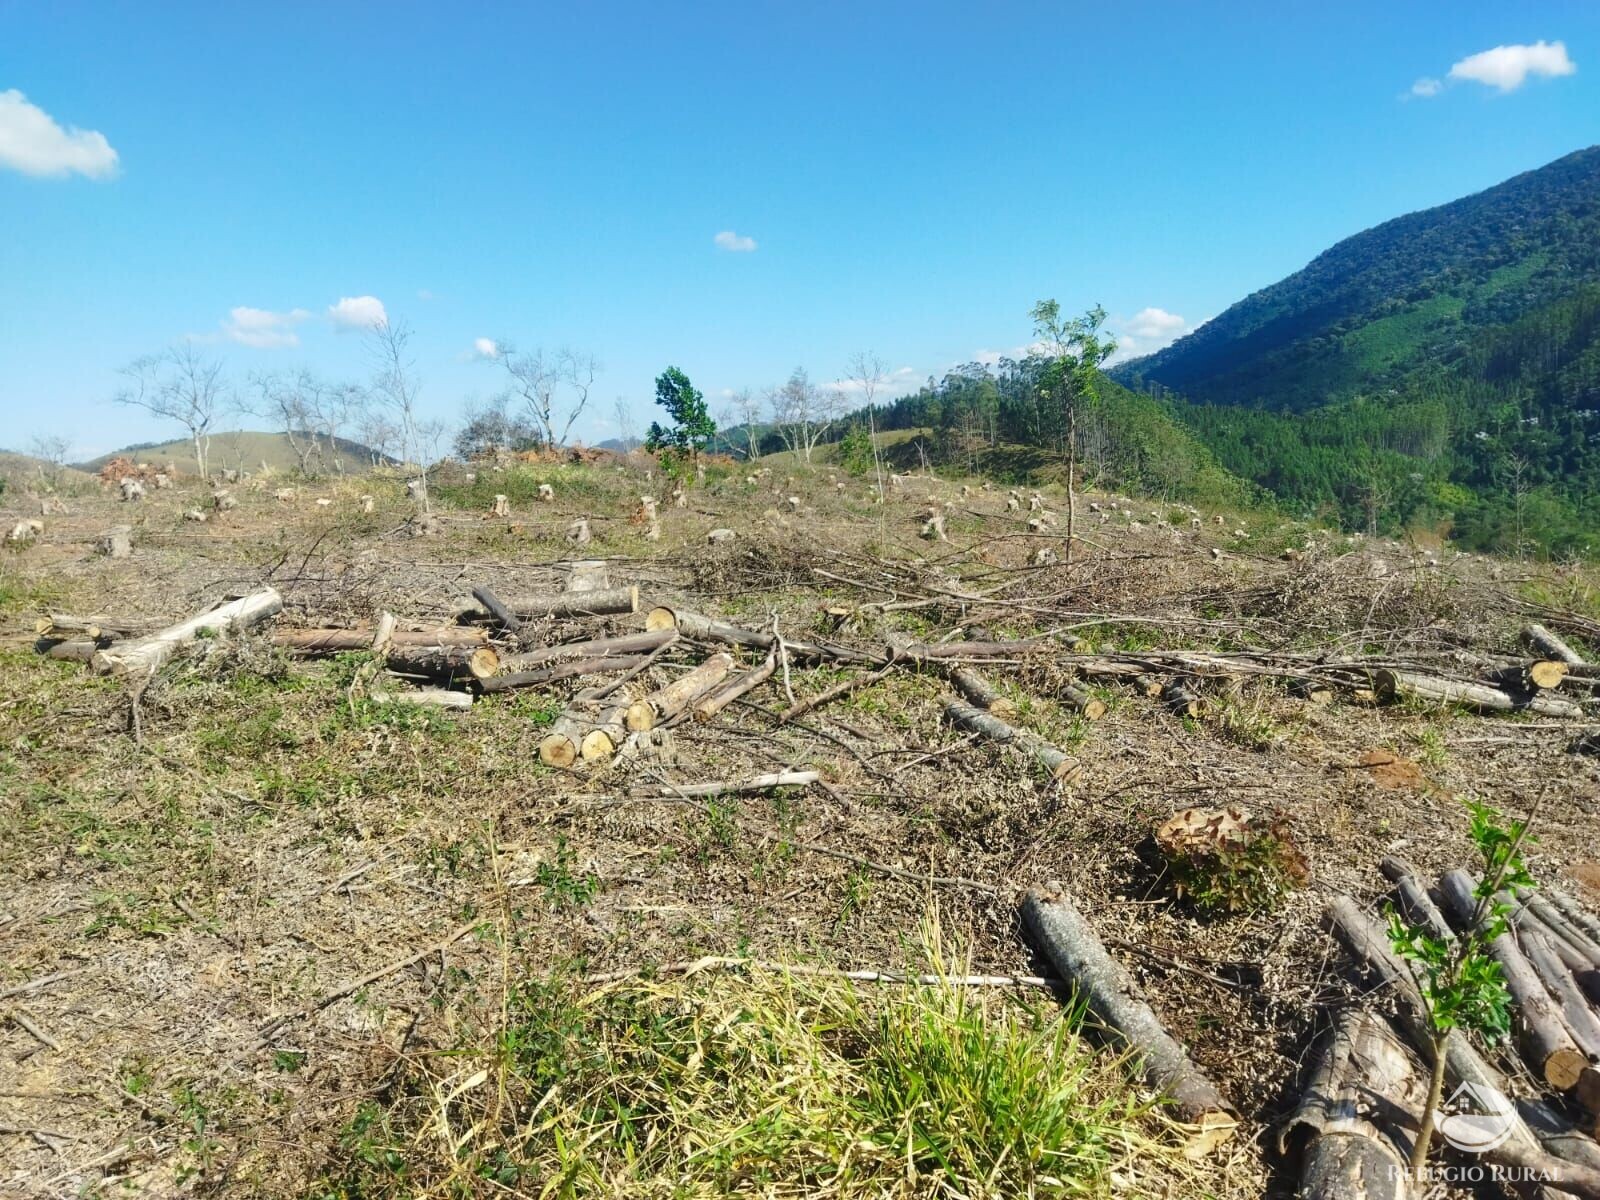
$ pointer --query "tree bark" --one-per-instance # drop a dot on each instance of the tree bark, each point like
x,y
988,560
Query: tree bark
x,y
1543,1037
1062,767
443,664
631,643
424,697
147,655
1056,927
610,602
697,627
1359,1108
568,670
588,575
1391,685
96,628
665,703
312,643
746,682
1547,643
1576,1012
982,694
1416,905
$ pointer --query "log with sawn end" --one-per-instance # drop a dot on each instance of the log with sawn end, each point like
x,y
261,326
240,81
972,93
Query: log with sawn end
x,y
980,693
577,669
667,702
424,698
1393,685
147,655
733,689
697,627
443,664
628,643
1056,927
1549,644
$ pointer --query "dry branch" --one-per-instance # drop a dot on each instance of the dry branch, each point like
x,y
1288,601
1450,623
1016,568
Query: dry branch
x,y
627,644
568,670
312,643
758,783
1061,766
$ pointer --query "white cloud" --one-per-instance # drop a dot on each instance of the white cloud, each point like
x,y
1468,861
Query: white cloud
x,y
32,142
1508,67
894,383
358,313
262,328
737,242
1426,87
485,348
1148,330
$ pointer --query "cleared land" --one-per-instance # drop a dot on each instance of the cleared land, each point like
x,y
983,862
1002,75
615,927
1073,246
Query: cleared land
x,y
274,938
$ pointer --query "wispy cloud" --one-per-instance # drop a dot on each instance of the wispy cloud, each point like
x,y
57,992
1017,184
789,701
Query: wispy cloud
x,y
485,348
263,328
357,313
32,142
1505,68
1148,330
736,242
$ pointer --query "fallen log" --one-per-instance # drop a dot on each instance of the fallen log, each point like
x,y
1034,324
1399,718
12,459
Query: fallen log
x,y
147,655
1542,1036
1062,767
665,703
96,629
445,664
1416,905
746,682
314,643
1368,946
605,603
1548,644
1576,1012
1359,1112
601,739
982,694
700,628
424,697
508,620
67,650
1057,929
1394,685
568,670
561,746
758,783
1086,704
1566,921
1539,675
1179,698
628,643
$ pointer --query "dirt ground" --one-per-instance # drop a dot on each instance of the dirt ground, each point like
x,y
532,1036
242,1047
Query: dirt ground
x,y
258,840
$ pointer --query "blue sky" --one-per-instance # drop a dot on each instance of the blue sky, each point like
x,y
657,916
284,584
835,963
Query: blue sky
x,y
912,177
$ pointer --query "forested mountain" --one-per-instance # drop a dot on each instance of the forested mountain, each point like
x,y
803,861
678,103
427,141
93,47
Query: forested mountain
x,y
1410,293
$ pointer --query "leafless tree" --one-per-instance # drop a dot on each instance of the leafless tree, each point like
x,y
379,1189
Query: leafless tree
x,y
376,430
182,385
868,370
554,389
395,387
51,452
288,401
804,412
627,432
747,408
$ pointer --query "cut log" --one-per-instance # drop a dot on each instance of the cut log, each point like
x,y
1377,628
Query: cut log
x,y
982,694
1357,1114
1537,676
1062,768
759,783
1057,929
699,628
314,643
1565,918
600,740
630,643
1179,698
1146,685
1576,1012
507,619
147,655
1394,685
665,703
1416,905
605,665
610,602
445,664
1542,1036
96,629
64,650
1548,644
1015,648
741,685
1085,703
425,697
561,746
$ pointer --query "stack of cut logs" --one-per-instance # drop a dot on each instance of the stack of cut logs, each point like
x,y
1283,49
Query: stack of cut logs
x,y
1359,1114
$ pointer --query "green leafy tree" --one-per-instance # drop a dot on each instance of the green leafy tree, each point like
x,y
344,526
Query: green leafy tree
x,y
692,427
1075,348
1461,984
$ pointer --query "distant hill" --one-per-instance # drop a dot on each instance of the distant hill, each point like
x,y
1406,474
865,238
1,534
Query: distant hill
x,y
22,471
1411,293
246,449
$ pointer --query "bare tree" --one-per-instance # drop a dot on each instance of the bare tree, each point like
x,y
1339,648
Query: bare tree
x,y
867,370
395,387
287,401
182,385
747,408
627,432
553,389
376,430
804,412
51,452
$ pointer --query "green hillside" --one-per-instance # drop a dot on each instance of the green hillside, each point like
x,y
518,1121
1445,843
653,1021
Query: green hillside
x,y
246,450
1412,293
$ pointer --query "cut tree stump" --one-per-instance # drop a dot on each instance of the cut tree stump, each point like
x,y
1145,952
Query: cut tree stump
x,y
117,542
1541,1034
1057,929
1359,1109
591,575
147,655
1062,767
